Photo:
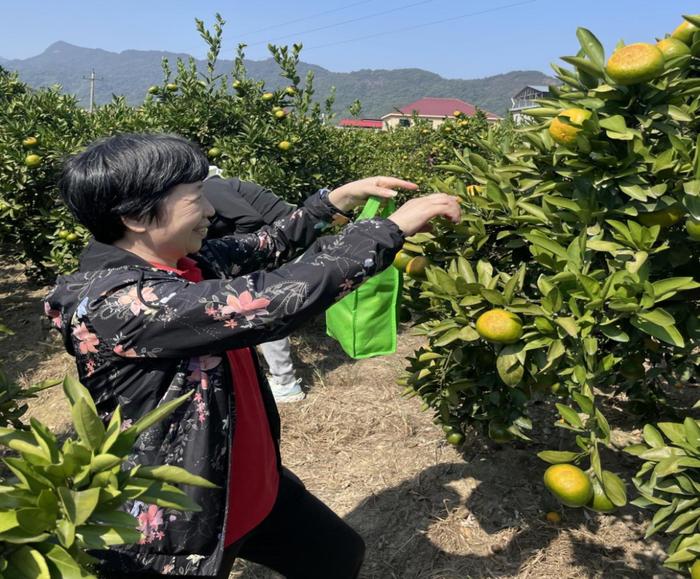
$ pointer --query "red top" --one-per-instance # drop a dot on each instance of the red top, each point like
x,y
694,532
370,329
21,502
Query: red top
x,y
254,477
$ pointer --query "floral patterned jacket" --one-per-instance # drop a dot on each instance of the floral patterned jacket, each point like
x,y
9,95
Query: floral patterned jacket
x,y
142,336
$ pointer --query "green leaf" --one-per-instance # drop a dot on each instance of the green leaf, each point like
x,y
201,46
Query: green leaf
x,y
615,489
569,325
76,391
87,424
448,337
658,316
584,65
174,474
569,415
614,332
508,365
168,496
591,46
27,563
557,456
668,334
159,413
684,520
692,432
547,244
66,567
600,245
8,520
101,536
653,437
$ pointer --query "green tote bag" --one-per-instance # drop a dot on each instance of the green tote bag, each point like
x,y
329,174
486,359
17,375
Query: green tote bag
x,y
365,321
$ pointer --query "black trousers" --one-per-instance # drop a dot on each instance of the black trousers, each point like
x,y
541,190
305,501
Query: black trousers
x,y
301,538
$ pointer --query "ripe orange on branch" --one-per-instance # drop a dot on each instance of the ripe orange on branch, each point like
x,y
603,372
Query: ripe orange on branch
x,y
564,132
569,484
635,63
500,326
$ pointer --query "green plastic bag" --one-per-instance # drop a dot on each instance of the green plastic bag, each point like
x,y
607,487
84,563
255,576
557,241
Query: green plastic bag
x,y
365,321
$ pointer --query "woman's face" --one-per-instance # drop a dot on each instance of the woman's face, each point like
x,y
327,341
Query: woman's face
x,y
182,223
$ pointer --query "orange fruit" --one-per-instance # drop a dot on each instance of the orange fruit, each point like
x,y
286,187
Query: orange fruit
x,y
553,517
635,63
457,113
416,267
214,152
569,484
72,237
692,227
498,432
401,260
284,145
633,368
268,96
455,438
30,142
280,114
171,86
565,133
664,217
672,47
290,90
32,161
153,89
499,326
684,32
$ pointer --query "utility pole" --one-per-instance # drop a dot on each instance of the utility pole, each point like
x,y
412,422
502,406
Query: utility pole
x,y
92,80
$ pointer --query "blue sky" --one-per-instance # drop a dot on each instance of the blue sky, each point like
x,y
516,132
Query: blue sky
x,y
467,39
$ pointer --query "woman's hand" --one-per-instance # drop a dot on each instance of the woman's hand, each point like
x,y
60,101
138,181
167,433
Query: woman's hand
x,y
354,194
414,215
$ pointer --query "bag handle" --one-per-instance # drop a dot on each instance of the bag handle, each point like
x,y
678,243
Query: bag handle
x,y
373,206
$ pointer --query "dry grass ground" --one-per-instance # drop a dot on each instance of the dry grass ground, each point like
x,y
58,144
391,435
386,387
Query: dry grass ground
x,y
425,509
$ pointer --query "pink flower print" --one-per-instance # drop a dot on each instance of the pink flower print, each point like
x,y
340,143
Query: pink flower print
x,y
230,324
132,300
209,362
263,240
149,522
120,351
245,305
167,568
88,341
211,311
90,367
126,424
55,315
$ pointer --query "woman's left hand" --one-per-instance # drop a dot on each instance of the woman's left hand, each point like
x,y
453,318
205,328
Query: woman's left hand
x,y
354,194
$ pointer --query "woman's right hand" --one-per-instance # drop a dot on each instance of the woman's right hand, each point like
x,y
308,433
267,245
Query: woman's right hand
x,y
414,215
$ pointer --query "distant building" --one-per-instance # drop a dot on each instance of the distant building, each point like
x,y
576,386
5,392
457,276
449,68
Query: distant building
x,y
525,99
372,124
432,110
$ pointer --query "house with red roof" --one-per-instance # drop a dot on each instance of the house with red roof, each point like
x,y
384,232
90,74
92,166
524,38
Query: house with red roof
x,y
372,124
434,110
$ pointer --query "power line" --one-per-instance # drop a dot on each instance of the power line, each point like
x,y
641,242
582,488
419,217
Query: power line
x,y
397,30
309,17
403,7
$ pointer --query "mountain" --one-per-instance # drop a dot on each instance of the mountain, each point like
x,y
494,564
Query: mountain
x,y
131,72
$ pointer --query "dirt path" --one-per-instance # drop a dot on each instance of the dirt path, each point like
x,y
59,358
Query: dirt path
x,y
425,510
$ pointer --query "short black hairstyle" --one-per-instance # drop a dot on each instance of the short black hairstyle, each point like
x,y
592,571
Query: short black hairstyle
x,y
127,175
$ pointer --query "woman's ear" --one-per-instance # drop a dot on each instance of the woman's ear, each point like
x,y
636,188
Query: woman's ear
x,y
136,225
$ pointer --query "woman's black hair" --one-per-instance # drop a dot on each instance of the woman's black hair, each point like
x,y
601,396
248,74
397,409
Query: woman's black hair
x,y
127,175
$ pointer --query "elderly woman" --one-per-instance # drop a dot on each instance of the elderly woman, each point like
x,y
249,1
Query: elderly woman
x,y
154,312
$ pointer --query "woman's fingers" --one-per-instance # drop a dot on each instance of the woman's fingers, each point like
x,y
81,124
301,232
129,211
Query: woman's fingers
x,y
393,182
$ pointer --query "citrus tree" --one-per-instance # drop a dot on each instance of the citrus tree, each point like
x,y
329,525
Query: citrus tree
x,y
58,500
574,271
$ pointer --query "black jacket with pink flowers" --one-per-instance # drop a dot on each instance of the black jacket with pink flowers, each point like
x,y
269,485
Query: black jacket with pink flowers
x,y
142,336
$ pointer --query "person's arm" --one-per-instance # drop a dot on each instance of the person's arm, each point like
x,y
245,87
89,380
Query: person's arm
x,y
168,317
242,206
271,245
149,315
